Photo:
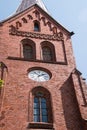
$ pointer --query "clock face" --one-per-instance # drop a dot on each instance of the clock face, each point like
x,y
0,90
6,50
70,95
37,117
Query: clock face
x,y
39,75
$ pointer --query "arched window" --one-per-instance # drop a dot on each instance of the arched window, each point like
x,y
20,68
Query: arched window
x,y
47,53
40,108
27,51
36,26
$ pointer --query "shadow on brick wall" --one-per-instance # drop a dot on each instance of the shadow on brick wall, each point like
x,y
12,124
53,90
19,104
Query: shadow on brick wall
x,y
71,109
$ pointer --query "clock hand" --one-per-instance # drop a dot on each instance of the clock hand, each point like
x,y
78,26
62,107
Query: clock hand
x,y
40,75
43,74
36,73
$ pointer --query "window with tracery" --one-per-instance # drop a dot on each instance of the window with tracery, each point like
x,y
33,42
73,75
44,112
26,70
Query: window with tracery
x,y
27,51
47,53
40,108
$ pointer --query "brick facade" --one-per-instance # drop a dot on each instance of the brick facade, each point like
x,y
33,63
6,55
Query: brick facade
x,y
67,90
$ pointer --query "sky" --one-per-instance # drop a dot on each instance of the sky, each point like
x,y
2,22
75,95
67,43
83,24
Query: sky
x,y
72,14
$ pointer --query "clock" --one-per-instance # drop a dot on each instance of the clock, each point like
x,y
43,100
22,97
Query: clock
x,y
38,75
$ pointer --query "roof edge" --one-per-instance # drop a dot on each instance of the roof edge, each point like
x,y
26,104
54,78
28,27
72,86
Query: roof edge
x,y
57,23
76,71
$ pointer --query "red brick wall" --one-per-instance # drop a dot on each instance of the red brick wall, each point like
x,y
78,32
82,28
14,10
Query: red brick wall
x,y
15,102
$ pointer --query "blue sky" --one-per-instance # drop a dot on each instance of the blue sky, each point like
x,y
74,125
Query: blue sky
x,y
71,14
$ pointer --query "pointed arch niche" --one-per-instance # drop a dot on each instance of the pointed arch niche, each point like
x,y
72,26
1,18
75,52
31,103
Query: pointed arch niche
x,y
28,49
40,109
48,51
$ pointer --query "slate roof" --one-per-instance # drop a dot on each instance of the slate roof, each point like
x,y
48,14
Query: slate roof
x,y
28,3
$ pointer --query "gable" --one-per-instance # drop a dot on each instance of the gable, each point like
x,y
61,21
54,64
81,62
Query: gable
x,y
24,21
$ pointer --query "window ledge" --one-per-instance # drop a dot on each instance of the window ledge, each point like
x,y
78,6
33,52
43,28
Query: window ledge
x,y
33,60
40,125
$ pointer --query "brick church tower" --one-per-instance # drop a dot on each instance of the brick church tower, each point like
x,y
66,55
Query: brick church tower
x,y
40,87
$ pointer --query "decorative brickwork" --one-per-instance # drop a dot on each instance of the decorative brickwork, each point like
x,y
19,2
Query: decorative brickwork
x,y
57,37
63,92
